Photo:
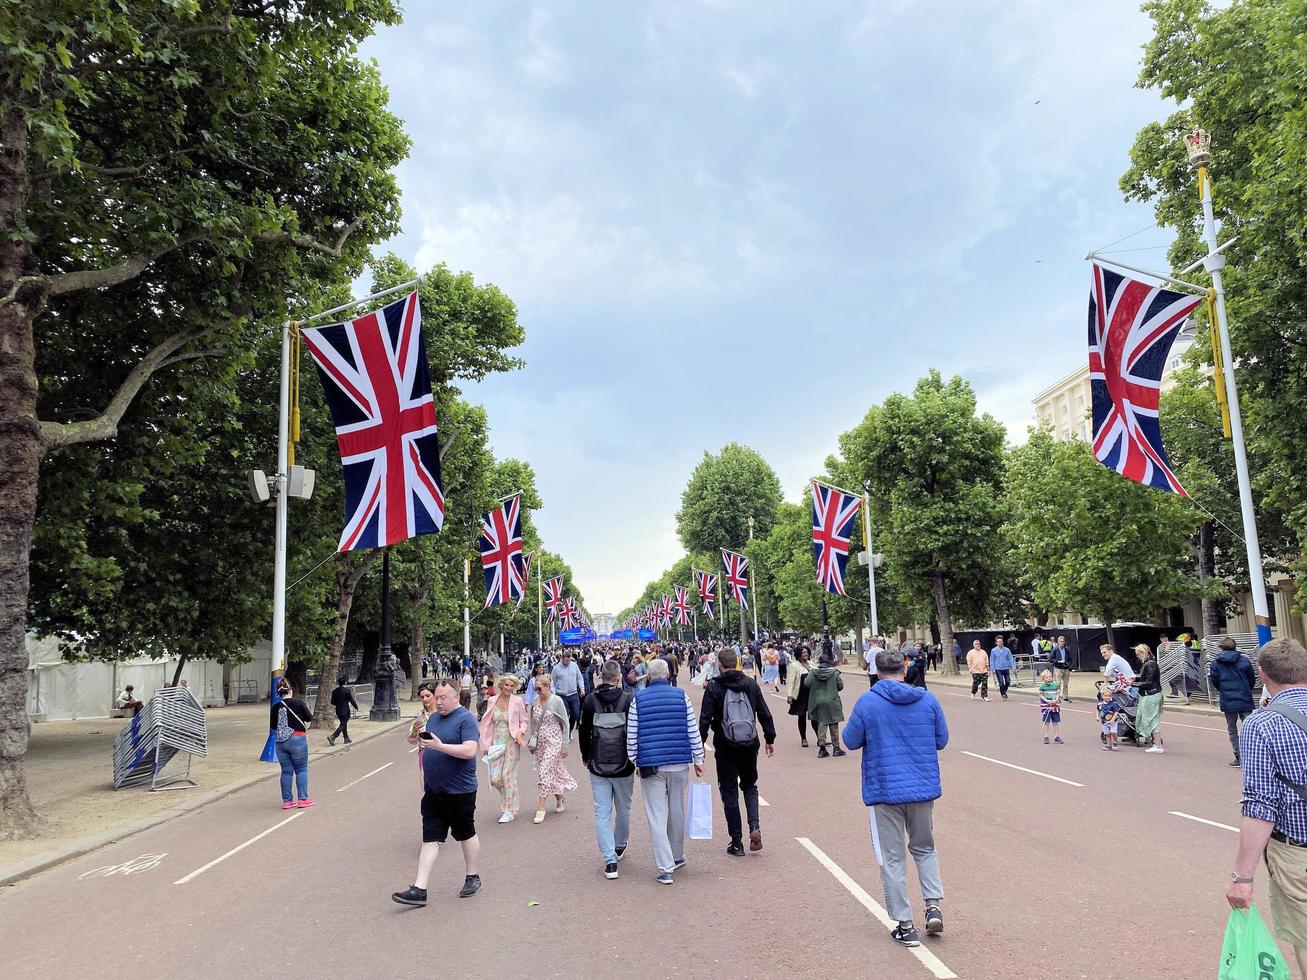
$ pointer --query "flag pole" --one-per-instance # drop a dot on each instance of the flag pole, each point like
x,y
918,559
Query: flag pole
x,y
269,753
1199,143
467,616
540,606
871,554
752,590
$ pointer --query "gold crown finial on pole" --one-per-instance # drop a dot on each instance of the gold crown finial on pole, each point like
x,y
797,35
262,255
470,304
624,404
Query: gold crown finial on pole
x,y
1199,145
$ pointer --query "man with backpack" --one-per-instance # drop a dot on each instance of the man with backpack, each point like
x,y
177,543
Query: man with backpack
x,y
732,706
612,774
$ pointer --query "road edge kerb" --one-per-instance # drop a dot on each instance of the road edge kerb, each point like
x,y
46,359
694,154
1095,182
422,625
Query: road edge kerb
x,y
23,870
1189,709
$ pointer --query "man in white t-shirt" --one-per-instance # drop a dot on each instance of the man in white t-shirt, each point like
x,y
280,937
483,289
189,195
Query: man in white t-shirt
x,y
1118,670
872,650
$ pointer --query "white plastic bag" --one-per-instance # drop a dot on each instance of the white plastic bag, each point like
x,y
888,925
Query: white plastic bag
x,y
699,820
697,679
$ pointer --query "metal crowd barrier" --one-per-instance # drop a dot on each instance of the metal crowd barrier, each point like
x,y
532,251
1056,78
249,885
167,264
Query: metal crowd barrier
x,y
170,727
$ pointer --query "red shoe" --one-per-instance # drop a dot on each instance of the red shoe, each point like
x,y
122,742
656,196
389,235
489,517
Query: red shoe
x,y
305,804
288,805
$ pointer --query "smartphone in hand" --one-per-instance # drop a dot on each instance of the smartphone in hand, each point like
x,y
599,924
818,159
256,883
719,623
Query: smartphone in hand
x,y
426,736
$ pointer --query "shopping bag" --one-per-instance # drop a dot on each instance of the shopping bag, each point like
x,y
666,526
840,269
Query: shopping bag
x,y
699,819
698,679
1249,951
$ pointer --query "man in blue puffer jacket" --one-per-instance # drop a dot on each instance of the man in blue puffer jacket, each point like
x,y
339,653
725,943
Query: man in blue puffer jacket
x,y
900,729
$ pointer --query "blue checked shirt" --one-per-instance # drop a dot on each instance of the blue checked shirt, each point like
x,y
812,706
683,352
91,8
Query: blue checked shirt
x,y
1269,744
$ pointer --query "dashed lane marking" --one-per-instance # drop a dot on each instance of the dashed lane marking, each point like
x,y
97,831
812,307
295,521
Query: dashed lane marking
x,y
365,776
414,749
237,849
1210,823
928,959
762,802
1033,772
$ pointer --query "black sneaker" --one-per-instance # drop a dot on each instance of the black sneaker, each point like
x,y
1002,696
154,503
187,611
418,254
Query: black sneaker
x,y
411,896
838,751
934,920
1235,764
610,870
822,753
906,935
678,865
663,878
736,849
471,885
621,852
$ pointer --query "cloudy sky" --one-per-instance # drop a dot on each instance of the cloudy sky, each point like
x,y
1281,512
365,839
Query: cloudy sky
x,y
750,221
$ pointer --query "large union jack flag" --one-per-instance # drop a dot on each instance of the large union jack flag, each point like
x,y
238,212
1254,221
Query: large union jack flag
x,y
682,606
554,597
1131,327
737,576
501,552
378,387
665,611
833,512
571,613
707,585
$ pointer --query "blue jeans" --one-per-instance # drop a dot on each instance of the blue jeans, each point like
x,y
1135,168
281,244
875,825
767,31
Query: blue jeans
x,y
573,702
1004,678
293,754
612,832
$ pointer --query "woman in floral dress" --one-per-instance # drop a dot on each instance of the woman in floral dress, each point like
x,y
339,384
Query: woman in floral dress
x,y
504,725
551,733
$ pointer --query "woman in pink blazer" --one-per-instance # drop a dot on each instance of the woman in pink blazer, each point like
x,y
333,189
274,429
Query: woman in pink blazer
x,y
503,733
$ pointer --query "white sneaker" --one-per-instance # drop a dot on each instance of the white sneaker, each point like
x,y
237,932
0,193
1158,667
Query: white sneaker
x,y
506,817
1155,748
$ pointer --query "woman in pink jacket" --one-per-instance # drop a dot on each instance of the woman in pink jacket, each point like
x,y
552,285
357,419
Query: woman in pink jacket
x,y
503,733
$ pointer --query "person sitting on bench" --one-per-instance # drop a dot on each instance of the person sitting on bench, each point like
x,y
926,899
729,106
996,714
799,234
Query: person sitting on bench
x,y
128,700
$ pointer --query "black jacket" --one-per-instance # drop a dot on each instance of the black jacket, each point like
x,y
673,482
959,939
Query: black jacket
x,y
341,699
916,674
714,697
297,714
602,700
1150,678
1233,675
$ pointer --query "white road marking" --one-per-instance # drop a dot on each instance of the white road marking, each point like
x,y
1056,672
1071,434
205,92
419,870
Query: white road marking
x,y
762,802
414,749
237,849
365,776
1210,823
145,862
1033,772
928,959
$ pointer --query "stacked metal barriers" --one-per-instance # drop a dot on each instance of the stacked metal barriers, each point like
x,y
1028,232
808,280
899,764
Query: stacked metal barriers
x,y
159,743
1190,669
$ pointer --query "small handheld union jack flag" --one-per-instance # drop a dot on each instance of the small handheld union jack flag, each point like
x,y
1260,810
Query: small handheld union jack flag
x,y
682,606
833,511
501,552
377,385
737,576
707,584
1131,327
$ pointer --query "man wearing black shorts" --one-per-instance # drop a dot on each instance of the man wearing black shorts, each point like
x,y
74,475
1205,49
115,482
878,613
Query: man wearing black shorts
x,y
448,750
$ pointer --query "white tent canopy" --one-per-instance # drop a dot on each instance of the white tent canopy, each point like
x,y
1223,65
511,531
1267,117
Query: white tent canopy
x,y
58,690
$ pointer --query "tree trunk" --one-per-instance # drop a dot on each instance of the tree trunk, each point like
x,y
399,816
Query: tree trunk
x,y
415,640
21,450
177,674
347,579
1107,624
948,664
859,619
1206,569
935,638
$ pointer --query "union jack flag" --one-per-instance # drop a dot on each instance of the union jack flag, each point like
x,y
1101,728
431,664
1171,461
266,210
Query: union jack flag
x,y
707,583
554,597
501,552
571,613
833,511
378,387
665,611
1131,327
737,576
526,577
682,606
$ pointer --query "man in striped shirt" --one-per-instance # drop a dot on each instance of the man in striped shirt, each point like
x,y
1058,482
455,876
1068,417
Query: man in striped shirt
x,y
1273,753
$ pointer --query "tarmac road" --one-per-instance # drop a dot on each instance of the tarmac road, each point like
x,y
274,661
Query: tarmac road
x,y
1088,874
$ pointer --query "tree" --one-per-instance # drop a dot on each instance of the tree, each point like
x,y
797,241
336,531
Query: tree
x,y
724,492
1088,539
166,170
935,469
1240,72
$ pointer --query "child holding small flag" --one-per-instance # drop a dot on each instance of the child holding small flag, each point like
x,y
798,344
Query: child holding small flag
x,y
1050,706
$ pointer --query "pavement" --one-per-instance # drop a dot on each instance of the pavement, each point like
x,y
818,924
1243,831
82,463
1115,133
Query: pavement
x,y
69,768
1058,860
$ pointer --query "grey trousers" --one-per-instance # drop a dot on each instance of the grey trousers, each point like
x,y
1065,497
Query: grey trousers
x,y
891,823
664,805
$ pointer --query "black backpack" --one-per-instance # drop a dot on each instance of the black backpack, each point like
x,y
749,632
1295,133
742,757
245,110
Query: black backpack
x,y
608,745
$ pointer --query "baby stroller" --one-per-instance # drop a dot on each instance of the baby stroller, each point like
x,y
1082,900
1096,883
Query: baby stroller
x,y
1127,702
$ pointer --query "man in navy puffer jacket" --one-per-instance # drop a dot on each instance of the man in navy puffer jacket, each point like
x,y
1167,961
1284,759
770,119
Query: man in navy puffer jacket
x,y
900,729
